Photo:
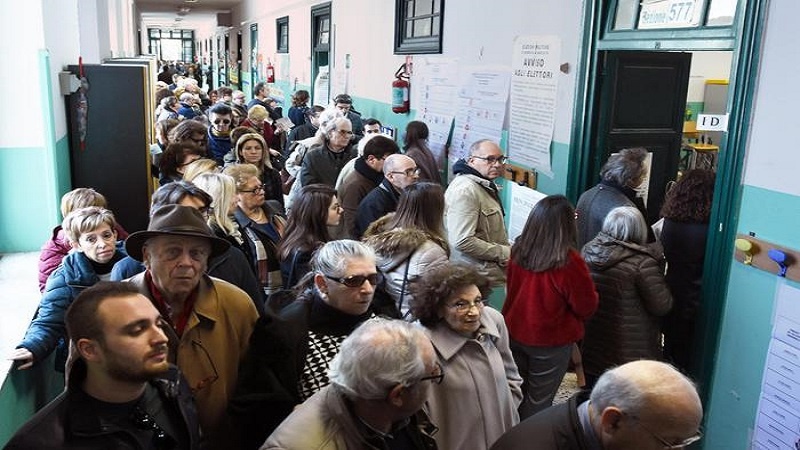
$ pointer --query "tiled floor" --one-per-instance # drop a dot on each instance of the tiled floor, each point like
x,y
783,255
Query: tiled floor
x,y
19,297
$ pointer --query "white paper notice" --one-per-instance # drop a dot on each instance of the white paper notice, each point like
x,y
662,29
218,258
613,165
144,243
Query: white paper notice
x,y
522,201
778,419
482,96
437,94
534,86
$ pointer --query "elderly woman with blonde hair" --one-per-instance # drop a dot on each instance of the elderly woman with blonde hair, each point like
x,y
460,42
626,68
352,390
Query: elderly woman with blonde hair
x,y
258,119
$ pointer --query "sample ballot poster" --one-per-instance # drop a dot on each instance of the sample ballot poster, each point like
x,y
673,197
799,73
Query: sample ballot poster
x,y
481,109
438,90
523,199
778,419
534,85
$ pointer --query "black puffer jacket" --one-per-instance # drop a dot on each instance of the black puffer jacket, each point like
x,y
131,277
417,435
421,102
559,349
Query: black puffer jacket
x,y
633,297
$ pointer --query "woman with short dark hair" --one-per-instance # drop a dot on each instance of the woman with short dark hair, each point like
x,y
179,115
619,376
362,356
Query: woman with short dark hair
x,y
476,401
550,295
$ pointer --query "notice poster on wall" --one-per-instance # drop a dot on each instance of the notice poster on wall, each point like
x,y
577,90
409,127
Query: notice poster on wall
x,y
523,200
481,108
534,86
435,100
778,418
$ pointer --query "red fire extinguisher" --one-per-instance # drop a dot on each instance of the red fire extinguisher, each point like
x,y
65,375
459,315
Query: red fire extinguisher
x,y
270,72
400,91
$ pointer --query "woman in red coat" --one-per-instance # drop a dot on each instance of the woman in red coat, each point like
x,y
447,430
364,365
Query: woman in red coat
x,y
550,295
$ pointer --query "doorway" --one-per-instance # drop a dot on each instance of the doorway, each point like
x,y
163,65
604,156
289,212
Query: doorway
x,y
739,35
320,54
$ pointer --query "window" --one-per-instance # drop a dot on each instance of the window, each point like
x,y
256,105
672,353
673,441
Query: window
x,y
418,27
171,44
282,26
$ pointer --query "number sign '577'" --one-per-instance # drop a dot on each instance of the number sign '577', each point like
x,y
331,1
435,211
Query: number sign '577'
x,y
670,14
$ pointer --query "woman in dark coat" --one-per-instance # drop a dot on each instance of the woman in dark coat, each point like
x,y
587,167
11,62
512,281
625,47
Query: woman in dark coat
x,y
686,211
629,276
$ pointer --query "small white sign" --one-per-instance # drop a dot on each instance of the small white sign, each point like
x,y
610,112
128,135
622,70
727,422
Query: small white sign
x,y
670,14
712,122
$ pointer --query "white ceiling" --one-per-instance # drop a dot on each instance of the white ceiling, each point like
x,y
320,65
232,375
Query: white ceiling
x,y
198,15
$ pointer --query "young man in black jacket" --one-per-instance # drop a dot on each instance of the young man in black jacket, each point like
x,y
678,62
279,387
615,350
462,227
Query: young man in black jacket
x,y
122,391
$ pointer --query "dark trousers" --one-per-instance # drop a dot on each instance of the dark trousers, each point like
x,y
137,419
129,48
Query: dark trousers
x,y
542,370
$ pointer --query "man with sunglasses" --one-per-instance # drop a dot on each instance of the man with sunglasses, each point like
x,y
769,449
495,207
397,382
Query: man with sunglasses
x,y
295,341
640,405
220,118
474,214
122,391
379,382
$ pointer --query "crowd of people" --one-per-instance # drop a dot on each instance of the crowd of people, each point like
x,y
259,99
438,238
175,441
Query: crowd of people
x,y
304,283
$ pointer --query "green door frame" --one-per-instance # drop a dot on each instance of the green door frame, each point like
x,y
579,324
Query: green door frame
x,y
743,39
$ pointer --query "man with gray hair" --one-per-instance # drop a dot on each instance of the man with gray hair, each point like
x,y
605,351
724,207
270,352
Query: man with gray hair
x,y
619,177
639,405
379,382
474,214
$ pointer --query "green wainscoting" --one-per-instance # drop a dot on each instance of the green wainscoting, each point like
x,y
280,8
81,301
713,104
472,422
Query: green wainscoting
x,y
747,322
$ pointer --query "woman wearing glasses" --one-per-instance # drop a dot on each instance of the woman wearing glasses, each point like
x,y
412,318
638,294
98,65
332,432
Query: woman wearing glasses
x,y
293,344
477,401
260,224
550,295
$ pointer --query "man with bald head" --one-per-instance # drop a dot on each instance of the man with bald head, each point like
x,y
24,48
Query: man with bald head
x,y
474,214
640,405
399,171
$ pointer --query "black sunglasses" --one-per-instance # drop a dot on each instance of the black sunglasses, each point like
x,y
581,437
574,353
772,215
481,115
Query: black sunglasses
x,y
143,421
355,281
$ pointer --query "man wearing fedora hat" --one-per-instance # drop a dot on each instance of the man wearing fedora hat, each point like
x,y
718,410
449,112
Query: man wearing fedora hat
x,y
210,320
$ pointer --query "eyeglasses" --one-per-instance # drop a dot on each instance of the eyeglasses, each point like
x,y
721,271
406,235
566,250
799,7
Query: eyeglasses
x,y
207,212
408,172
492,159
222,121
255,190
436,379
667,444
143,421
355,281
462,306
345,132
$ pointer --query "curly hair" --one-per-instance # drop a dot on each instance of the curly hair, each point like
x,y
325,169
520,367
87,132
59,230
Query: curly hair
x,y
437,286
690,198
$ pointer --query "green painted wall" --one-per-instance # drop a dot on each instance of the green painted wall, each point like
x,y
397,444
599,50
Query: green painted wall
x,y
25,392
746,322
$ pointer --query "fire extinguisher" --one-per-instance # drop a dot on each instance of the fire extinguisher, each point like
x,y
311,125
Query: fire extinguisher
x,y
270,72
400,91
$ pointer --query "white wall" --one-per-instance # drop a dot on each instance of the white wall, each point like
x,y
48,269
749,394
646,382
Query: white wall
x,y
21,39
61,38
773,156
707,66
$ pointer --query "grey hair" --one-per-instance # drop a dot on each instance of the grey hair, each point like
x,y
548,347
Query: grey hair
x,y
378,355
614,389
333,125
624,167
477,144
626,223
638,385
333,257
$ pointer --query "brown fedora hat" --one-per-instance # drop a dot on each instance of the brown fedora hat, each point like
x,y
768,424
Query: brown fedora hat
x,y
175,220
